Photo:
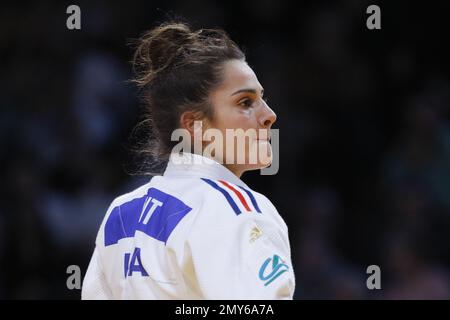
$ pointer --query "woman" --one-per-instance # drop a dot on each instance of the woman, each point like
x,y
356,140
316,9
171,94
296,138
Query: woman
x,y
197,231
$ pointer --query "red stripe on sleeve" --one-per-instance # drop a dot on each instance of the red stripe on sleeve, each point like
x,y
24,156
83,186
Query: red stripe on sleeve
x,y
238,194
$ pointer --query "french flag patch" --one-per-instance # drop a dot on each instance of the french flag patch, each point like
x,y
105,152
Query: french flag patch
x,y
239,198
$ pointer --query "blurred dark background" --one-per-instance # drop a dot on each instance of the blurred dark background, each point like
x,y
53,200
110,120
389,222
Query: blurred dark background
x,y
364,136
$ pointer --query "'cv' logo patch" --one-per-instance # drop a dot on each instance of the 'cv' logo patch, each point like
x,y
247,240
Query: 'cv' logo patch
x,y
278,268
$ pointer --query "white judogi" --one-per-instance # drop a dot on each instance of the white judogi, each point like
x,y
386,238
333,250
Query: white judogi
x,y
197,232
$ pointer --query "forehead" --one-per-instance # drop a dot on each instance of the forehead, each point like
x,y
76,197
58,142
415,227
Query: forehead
x,y
238,75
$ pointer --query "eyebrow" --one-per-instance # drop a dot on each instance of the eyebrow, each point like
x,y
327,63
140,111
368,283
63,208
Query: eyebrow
x,y
247,90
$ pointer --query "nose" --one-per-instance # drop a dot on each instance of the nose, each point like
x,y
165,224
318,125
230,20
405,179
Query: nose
x,y
267,117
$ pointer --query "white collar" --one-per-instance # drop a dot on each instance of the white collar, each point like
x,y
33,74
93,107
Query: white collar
x,y
188,165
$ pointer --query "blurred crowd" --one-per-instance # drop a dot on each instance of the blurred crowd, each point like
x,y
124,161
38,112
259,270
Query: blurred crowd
x,y
364,119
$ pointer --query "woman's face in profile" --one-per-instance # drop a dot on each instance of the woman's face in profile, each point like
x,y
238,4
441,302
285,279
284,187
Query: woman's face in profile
x,y
241,114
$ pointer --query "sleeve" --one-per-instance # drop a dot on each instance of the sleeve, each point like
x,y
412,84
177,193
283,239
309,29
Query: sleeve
x,y
95,286
241,257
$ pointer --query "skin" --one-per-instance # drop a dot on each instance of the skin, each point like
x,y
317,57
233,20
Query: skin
x,y
238,104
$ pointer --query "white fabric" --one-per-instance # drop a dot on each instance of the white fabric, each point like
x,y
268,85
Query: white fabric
x,y
212,253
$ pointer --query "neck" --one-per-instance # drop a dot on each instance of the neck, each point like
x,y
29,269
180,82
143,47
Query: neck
x,y
235,169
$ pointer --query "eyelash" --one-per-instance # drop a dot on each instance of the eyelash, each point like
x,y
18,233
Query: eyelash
x,y
245,102
248,100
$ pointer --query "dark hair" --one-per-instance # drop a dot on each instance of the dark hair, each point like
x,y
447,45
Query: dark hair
x,y
176,68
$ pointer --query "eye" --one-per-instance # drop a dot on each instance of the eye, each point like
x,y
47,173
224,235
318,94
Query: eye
x,y
246,103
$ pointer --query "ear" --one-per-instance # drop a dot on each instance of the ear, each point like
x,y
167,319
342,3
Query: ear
x,y
188,119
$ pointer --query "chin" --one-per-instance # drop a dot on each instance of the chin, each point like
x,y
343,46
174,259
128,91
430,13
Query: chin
x,y
262,153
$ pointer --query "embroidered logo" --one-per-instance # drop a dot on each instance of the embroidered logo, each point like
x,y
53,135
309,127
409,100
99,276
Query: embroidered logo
x,y
255,234
278,268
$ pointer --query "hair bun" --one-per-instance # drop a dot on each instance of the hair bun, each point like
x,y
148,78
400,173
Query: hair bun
x,y
159,48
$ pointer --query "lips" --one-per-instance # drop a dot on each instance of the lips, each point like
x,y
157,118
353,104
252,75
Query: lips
x,y
266,139
267,136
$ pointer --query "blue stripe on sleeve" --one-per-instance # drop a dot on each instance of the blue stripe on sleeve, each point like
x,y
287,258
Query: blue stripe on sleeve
x,y
252,198
225,193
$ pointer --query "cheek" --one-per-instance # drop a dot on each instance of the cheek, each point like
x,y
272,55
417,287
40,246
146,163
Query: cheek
x,y
246,119
231,116
236,119
246,112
